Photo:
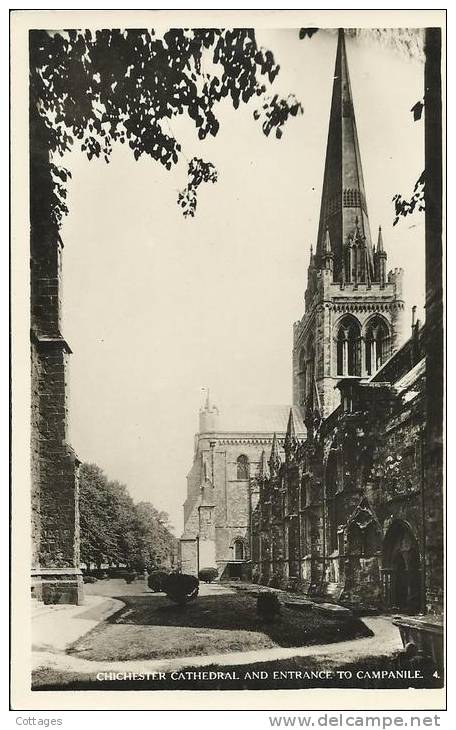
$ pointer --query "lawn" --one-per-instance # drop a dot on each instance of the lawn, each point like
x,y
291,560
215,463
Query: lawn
x,y
152,627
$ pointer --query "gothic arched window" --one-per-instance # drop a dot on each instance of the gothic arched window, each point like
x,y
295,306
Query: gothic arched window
x,y
242,467
377,344
348,347
239,551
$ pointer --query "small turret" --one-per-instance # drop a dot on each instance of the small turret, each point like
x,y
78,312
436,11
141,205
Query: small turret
x,y
208,416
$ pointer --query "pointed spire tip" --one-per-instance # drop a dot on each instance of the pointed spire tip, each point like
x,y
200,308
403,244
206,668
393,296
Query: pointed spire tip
x,y
291,428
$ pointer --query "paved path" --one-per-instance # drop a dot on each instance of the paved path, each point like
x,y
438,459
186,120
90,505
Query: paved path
x,y
386,640
56,627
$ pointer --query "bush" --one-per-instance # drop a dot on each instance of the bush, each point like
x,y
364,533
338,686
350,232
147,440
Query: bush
x,y
118,572
274,581
208,574
155,580
89,579
130,577
97,573
180,587
268,606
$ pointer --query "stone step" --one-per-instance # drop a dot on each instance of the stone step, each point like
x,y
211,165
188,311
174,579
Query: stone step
x,y
333,590
332,609
300,604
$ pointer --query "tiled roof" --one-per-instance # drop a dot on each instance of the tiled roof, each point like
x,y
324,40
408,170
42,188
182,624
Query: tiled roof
x,y
410,378
260,419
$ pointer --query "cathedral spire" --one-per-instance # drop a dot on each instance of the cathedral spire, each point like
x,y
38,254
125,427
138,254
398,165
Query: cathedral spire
x,y
343,197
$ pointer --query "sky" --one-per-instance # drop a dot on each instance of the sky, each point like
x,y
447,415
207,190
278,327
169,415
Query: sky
x,y
156,307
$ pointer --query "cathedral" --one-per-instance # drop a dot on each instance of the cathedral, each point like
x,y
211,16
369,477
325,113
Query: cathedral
x,y
331,496
230,449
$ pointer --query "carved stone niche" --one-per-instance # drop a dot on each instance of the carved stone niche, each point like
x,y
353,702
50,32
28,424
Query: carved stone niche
x,y
363,531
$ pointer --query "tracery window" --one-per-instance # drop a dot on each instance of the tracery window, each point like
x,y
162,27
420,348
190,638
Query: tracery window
x,y
348,347
377,345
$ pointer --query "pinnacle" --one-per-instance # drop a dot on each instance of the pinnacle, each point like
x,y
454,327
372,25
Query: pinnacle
x,y
291,428
380,248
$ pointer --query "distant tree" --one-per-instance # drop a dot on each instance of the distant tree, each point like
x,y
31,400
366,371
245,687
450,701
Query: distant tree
x,y
115,530
96,514
156,542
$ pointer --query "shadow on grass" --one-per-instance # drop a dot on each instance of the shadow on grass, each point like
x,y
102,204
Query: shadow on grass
x,y
237,612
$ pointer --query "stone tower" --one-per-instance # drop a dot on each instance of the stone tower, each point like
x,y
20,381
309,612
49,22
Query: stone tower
x,y
353,309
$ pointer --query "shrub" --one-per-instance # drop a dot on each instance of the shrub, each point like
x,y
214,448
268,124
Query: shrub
x,y
90,579
155,580
180,587
130,577
208,574
118,572
268,606
274,581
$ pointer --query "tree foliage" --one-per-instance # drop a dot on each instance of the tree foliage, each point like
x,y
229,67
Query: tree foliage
x,y
404,207
115,530
92,90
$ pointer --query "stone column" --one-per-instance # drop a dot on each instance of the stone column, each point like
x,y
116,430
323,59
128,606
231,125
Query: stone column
x,y
374,364
363,356
345,357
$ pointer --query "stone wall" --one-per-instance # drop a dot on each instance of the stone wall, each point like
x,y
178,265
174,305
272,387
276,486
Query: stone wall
x,y
370,533
56,574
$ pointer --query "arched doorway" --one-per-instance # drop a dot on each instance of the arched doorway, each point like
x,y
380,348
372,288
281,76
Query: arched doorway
x,y
235,565
401,569
239,549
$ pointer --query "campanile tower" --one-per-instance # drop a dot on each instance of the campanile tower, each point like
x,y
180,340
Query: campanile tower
x,y
353,309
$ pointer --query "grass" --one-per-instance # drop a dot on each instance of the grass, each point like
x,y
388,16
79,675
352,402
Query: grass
x,y
151,627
